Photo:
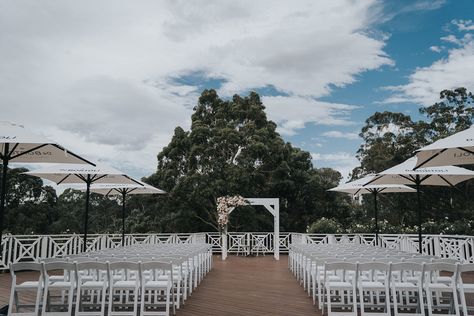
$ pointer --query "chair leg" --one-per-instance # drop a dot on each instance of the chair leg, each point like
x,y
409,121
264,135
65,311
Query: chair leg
x,y
45,300
111,300
70,298
395,301
38,299
455,301
463,301
361,301
328,299
102,310
142,301
135,300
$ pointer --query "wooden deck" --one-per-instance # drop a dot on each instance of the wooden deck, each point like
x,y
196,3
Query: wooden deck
x,y
238,286
249,286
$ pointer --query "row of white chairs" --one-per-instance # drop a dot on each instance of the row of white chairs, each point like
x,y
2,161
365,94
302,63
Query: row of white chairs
x,y
373,281
138,280
304,258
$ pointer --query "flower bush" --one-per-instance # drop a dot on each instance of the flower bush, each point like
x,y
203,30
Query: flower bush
x,y
224,205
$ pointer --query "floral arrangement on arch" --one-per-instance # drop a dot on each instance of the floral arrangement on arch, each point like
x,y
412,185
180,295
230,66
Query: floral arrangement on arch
x,y
224,205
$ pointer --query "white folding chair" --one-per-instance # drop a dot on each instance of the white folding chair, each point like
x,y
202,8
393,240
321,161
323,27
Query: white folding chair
x,y
406,279
64,285
241,243
373,286
155,291
465,287
433,286
345,290
124,288
319,278
259,244
27,287
91,290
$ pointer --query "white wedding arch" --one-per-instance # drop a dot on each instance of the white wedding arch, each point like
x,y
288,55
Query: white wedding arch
x,y
273,206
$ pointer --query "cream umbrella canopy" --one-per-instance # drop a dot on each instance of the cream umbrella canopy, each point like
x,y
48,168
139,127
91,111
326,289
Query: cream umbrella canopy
x,y
74,174
434,176
114,189
457,149
19,145
357,187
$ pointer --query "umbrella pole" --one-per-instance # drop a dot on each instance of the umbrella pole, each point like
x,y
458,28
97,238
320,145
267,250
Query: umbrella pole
x,y
418,197
3,192
376,218
86,217
123,218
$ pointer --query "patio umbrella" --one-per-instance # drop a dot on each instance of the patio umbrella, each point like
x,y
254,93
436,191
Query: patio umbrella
x,y
19,145
435,176
73,174
457,149
114,189
357,187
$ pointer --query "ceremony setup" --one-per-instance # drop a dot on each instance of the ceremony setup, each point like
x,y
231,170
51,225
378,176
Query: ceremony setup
x,y
157,274
237,158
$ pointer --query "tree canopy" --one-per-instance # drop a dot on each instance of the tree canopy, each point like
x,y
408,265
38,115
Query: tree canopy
x,y
233,149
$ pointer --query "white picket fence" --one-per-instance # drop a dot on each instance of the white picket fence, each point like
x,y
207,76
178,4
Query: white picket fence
x,y
17,248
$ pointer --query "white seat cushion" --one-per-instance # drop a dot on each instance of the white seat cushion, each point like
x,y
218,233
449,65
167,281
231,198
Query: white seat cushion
x,y
124,284
28,285
61,284
468,287
339,285
157,284
373,285
405,285
93,284
437,286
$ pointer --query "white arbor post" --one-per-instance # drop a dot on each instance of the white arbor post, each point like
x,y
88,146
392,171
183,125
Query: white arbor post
x,y
273,206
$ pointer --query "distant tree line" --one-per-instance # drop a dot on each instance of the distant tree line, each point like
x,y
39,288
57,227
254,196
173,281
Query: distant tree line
x,y
232,148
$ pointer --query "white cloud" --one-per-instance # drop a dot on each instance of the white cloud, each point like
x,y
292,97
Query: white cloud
x,y
339,134
97,77
292,113
425,84
436,49
464,25
343,162
466,39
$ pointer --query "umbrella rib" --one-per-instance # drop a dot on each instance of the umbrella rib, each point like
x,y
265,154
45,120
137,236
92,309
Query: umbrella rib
x,y
425,178
73,154
409,178
466,150
446,180
12,150
63,179
357,192
28,151
381,190
110,191
429,159
134,180
97,177
375,178
80,176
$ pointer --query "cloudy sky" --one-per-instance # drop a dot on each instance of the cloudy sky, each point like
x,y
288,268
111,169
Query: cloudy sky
x,y
111,79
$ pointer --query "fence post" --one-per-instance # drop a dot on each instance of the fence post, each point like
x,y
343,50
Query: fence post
x,y
436,246
44,246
